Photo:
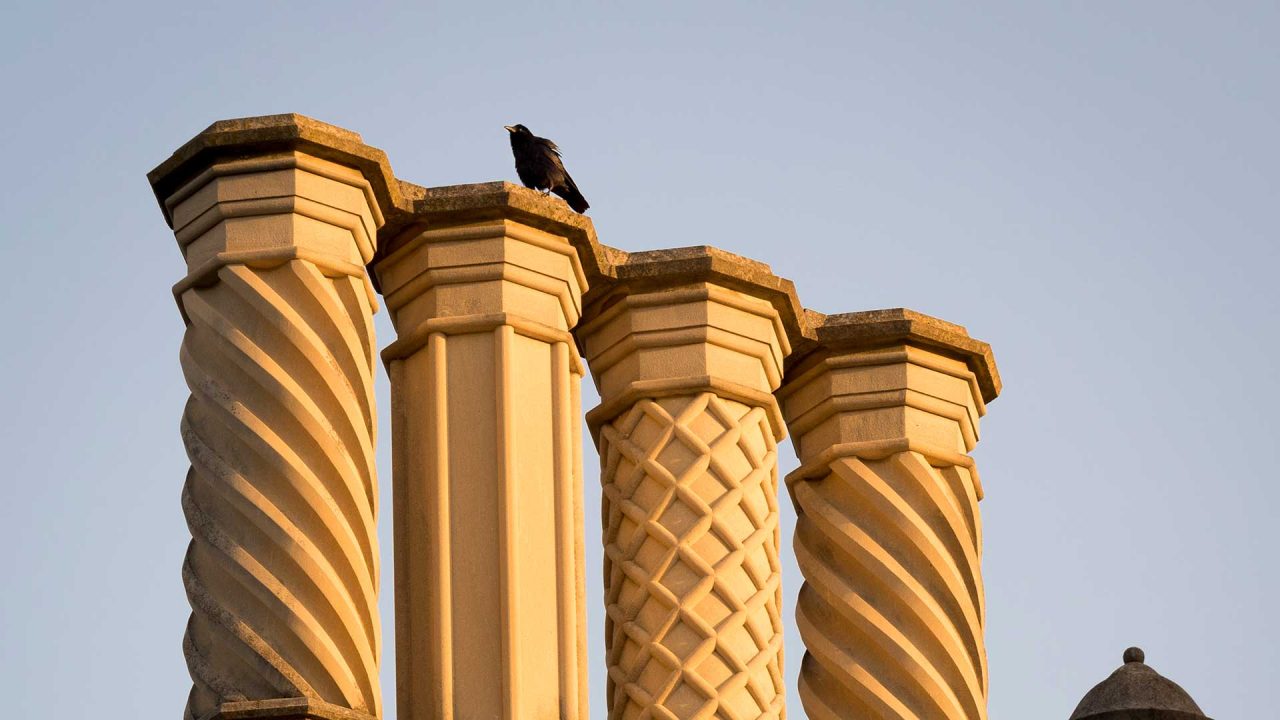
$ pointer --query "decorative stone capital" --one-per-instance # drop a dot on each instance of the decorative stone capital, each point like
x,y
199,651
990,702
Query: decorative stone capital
x,y
266,190
673,322
480,256
266,135
478,203
895,380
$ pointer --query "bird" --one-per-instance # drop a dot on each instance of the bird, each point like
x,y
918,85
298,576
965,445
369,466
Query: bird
x,y
539,167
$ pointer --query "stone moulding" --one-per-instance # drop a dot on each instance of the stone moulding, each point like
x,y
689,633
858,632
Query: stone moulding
x,y
253,137
657,344
482,203
286,709
964,417
202,207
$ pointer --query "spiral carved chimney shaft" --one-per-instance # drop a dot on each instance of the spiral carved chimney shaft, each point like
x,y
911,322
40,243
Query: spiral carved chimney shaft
x,y
276,220
884,411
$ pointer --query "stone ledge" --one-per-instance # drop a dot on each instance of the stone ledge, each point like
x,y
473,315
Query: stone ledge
x,y
254,136
285,709
874,329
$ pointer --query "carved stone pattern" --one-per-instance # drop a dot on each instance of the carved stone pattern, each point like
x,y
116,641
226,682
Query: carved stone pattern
x,y
691,561
282,569
892,606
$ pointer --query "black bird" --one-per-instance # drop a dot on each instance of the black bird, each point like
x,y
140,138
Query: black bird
x,y
539,167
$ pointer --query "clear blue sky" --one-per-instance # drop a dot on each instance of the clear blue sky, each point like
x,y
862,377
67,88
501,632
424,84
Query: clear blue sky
x,y
1090,187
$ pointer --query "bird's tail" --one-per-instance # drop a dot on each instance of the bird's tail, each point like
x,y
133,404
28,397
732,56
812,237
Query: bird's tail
x,y
569,191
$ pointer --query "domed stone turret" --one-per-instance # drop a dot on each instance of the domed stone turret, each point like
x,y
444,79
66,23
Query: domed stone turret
x,y
1136,692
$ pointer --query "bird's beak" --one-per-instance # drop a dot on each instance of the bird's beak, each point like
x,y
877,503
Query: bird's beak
x,y
508,128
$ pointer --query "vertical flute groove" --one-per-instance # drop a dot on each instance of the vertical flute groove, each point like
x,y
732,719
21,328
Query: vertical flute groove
x,y
563,466
438,432
508,582
579,557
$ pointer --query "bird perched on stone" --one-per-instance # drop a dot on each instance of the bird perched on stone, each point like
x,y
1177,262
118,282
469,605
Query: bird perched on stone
x,y
539,167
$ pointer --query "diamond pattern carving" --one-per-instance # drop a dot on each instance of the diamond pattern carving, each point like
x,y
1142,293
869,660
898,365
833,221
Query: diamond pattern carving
x,y
691,561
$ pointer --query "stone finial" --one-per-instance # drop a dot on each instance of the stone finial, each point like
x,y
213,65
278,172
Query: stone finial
x,y
1137,692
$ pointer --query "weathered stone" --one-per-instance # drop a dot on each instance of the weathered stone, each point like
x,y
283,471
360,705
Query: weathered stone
x,y
241,138
662,270
285,709
458,205
880,328
1136,692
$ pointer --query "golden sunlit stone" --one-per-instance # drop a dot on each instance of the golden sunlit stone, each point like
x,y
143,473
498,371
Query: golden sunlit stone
x,y
484,285
276,217
883,410
686,347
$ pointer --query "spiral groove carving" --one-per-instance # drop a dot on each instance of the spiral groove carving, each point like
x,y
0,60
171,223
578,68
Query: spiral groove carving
x,y
282,569
691,561
892,609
